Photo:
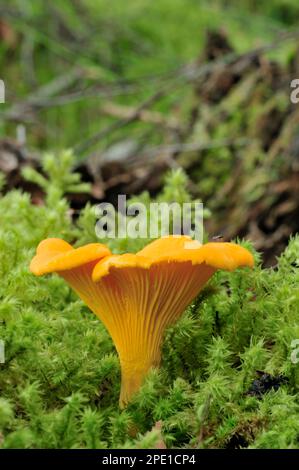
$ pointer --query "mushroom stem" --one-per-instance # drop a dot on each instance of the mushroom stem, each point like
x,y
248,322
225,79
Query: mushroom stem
x,y
134,371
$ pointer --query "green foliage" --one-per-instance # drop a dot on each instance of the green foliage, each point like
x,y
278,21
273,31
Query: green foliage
x,y
60,380
114,43
60,179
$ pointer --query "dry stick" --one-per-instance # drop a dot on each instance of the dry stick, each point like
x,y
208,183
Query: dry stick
x,y
82,147
194,146
91,92
166,153
152,117
147,154
35,100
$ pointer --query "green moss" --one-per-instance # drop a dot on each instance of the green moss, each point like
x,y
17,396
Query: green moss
x,y
60,380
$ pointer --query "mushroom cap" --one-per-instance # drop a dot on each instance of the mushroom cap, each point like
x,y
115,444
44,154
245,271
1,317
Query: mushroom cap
x,y
54,255
227,256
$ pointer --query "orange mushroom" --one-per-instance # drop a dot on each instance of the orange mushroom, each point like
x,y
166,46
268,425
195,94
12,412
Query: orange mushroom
x,y
74,265
138,295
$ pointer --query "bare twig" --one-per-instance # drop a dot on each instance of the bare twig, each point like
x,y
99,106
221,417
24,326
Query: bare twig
x,y
193,147
83,146
152,117
35,100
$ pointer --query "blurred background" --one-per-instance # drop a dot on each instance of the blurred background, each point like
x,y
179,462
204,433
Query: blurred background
x,y
141,87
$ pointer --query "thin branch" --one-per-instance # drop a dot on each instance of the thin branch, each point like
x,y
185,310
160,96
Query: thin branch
x,y
193,147
83,146
35,100
152,117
